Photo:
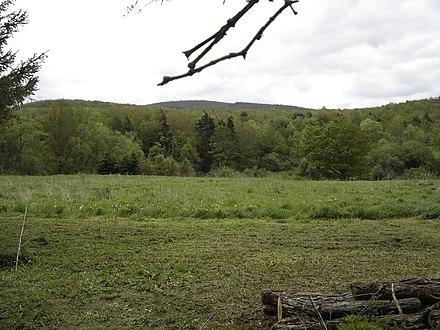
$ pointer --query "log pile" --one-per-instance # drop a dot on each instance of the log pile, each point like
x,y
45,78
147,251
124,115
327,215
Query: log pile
x,y
410,304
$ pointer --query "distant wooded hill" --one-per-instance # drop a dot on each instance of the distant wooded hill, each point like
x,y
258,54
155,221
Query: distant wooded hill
x,y
203,104
215,138
186,104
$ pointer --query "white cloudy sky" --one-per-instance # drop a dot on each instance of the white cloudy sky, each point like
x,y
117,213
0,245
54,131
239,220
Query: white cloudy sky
x,y
339,53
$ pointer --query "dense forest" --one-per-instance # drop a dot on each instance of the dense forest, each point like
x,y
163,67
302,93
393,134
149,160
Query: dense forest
x,y
66,137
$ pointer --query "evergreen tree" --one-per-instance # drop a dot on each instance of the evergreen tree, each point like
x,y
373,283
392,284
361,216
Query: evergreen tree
x,y
164,136
224,145
230,125
107,164
17,82
129,164
127,124
205,129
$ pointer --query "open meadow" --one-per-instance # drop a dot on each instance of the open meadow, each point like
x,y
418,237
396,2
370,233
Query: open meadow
x,y
135,252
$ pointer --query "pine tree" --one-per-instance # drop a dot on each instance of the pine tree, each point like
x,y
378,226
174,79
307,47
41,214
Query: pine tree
x,y
205,129
17,82
164,136
107,164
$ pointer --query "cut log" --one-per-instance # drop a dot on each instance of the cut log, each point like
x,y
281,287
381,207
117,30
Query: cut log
x,y
434,318
427,318
416,301
427,290
332,306
295,304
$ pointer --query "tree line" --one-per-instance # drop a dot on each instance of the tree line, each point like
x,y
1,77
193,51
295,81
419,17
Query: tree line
x,y
67,137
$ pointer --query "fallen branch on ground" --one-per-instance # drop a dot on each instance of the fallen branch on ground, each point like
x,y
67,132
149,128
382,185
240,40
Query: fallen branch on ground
x,y
20,239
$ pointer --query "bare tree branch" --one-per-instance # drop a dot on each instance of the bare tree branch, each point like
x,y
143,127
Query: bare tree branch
x,y
215,38
219,35
139,7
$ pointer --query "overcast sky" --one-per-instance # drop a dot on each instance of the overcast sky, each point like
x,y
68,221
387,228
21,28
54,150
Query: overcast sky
x,y
337,54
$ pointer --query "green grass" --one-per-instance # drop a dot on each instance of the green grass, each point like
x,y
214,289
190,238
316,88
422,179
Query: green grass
x,y
138,197
123,260
353,323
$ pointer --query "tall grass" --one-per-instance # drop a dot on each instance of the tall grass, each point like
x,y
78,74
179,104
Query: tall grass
x,y
217,198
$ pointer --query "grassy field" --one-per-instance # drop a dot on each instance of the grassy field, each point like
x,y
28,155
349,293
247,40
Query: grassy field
x,y
137,197
189,253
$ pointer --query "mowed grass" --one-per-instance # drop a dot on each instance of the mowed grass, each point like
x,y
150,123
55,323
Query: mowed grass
x,y
148,269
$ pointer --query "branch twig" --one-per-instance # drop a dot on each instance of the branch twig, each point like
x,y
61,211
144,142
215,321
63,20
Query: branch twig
x,y
133,6
206,322
279,308
20,239
393,294
219,35
321,320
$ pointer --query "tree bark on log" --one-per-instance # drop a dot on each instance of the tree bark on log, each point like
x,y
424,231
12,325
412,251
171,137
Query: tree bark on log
x,y
427,318
410,304
427,290
332,306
